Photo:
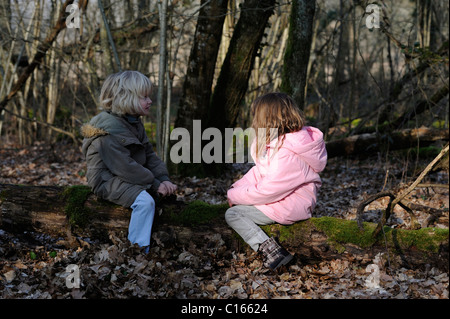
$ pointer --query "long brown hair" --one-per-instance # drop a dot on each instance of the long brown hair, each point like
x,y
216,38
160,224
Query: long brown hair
x,y
274,113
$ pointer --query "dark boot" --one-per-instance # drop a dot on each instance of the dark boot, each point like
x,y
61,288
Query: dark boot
x,y
274,255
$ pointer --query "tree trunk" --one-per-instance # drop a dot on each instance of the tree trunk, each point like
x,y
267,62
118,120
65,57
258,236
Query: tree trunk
x,y
298,49
373,142
60,211
232,83
104,42
54,210
53,83
197,86
202,61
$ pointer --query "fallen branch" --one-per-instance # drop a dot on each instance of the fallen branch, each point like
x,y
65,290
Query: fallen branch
x,y
385,216
394,200
71,212
373,142
421,176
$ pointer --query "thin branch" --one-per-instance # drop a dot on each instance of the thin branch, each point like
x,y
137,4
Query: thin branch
x,y
399,199
48,125
39,56
421,176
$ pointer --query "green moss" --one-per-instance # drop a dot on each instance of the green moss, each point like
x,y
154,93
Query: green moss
x,y
340,232
75,196
422,152
345,231
425,239
4,195
197,213
439,124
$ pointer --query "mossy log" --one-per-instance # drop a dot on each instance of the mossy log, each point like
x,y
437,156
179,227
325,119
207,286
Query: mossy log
x,y
68,211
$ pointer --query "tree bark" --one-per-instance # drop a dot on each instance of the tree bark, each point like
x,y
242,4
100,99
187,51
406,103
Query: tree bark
x,y
232,83
374,142
202,61
60,211
53,209
298,50
197,86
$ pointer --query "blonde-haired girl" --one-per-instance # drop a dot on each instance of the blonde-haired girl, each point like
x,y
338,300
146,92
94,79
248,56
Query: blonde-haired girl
x,y
121,164
282,186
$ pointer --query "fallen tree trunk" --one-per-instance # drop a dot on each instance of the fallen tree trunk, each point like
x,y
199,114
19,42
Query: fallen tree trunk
x,y
373,142
69,211
56,210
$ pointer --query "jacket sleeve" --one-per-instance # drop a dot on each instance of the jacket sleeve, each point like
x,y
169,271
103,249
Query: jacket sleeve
x,y
286,175
155,164
249,178
118,160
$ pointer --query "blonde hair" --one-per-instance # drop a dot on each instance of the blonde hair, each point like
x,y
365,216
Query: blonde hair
x,y
277,114
121,92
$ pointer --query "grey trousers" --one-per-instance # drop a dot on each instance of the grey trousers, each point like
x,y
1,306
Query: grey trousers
x,y
245,220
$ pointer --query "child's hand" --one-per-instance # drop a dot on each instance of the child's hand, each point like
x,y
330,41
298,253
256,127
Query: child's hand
x,y
162,190
166,188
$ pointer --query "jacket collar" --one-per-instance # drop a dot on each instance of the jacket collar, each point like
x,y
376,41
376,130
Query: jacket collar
x,y
132,119
107,123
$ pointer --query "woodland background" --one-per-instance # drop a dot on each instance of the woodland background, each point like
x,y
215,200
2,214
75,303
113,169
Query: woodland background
x,y
379,95
357,80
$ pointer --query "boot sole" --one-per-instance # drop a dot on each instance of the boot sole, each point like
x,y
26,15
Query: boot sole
x,y
284,261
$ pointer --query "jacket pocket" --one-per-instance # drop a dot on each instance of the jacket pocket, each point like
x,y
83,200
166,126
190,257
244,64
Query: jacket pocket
x,y
113,189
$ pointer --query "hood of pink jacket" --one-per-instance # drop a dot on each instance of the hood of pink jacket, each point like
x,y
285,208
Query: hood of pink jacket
x,y
309,146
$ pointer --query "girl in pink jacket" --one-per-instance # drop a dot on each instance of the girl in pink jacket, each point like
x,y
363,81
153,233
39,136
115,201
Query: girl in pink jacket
x,y
282,186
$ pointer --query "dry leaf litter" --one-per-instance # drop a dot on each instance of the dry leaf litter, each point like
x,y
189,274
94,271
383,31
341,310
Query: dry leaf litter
x,y
34,265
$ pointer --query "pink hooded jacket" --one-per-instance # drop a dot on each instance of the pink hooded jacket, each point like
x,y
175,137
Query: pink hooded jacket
x,y
284,185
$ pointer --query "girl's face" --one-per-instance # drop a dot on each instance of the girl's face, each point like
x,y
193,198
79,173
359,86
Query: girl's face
x,y
145,104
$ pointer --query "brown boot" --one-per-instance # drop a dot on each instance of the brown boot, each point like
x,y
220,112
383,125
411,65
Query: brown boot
x,y
274,255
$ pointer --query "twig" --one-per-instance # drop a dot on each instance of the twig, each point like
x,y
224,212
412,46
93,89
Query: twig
x,y
421,176
433,185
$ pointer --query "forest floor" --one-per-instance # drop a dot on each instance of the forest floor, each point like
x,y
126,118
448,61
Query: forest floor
x,y
34,265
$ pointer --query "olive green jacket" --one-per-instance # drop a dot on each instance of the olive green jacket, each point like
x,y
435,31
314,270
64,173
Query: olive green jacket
x,y
120,159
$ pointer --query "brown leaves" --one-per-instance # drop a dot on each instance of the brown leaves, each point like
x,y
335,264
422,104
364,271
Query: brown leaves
x,y
121,270
42,164
34,265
